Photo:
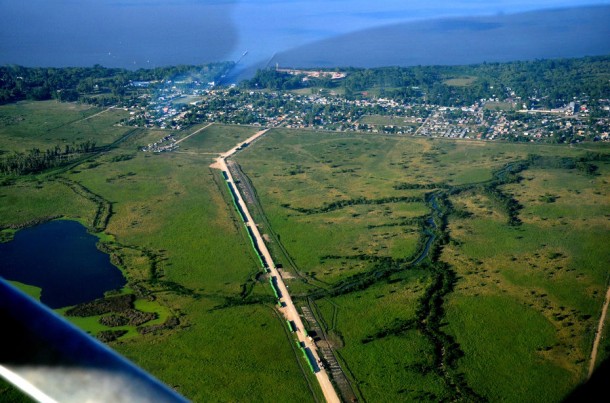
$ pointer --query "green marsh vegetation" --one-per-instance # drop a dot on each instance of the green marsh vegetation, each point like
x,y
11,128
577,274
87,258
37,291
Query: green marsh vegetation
x,y
167,224
552,263
513,284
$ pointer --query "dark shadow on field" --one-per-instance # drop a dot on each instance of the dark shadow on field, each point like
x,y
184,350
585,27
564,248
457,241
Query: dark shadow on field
x,y
595,389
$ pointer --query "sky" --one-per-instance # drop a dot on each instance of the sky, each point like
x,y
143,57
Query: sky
x,y
147,33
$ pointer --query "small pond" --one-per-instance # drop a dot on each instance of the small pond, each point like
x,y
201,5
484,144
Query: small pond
x,y
61,258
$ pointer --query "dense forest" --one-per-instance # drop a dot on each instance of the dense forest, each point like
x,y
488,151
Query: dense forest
x,y
97,84
544,83
547,83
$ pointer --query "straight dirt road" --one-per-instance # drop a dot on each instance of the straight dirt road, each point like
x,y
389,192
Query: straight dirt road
x,y
193,133
288,309
598,334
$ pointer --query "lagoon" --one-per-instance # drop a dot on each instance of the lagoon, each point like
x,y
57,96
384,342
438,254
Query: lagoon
x,y
61,258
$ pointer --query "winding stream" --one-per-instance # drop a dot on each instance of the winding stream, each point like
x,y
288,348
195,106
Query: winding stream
x,y
430,225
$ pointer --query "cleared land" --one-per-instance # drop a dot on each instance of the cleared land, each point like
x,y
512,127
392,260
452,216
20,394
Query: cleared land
x,y
460,81
380,120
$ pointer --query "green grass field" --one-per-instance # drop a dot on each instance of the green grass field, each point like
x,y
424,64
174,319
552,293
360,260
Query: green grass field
x,y
394,366
344,215
552,269
30,290
501,336
43,125
500,106
527,298
30,200
319,90
215,139
171,204
333,169
170,210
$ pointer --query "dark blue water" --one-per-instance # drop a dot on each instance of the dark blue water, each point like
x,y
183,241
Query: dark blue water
x,y
544,34
61,258
430,224
150,33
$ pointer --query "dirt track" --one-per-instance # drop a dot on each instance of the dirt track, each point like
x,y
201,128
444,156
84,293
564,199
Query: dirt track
x,y
598,334
193,133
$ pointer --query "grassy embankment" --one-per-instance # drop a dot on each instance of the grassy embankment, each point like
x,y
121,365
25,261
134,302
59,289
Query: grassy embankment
x,y
527,292
171,229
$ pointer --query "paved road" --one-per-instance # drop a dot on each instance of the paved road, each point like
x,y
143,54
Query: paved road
x,y
288,310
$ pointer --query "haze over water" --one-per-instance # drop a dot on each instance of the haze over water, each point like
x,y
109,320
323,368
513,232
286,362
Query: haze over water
x,y
149,33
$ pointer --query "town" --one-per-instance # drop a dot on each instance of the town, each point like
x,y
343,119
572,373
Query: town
x,y
179,106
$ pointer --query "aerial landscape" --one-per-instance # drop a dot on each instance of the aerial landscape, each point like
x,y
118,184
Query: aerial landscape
x,y
372,203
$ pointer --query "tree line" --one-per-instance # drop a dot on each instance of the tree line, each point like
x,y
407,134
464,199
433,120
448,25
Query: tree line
x,y
549,83
70,84
36,160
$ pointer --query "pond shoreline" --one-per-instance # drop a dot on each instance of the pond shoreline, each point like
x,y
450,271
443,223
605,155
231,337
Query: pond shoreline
x,y
61,258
